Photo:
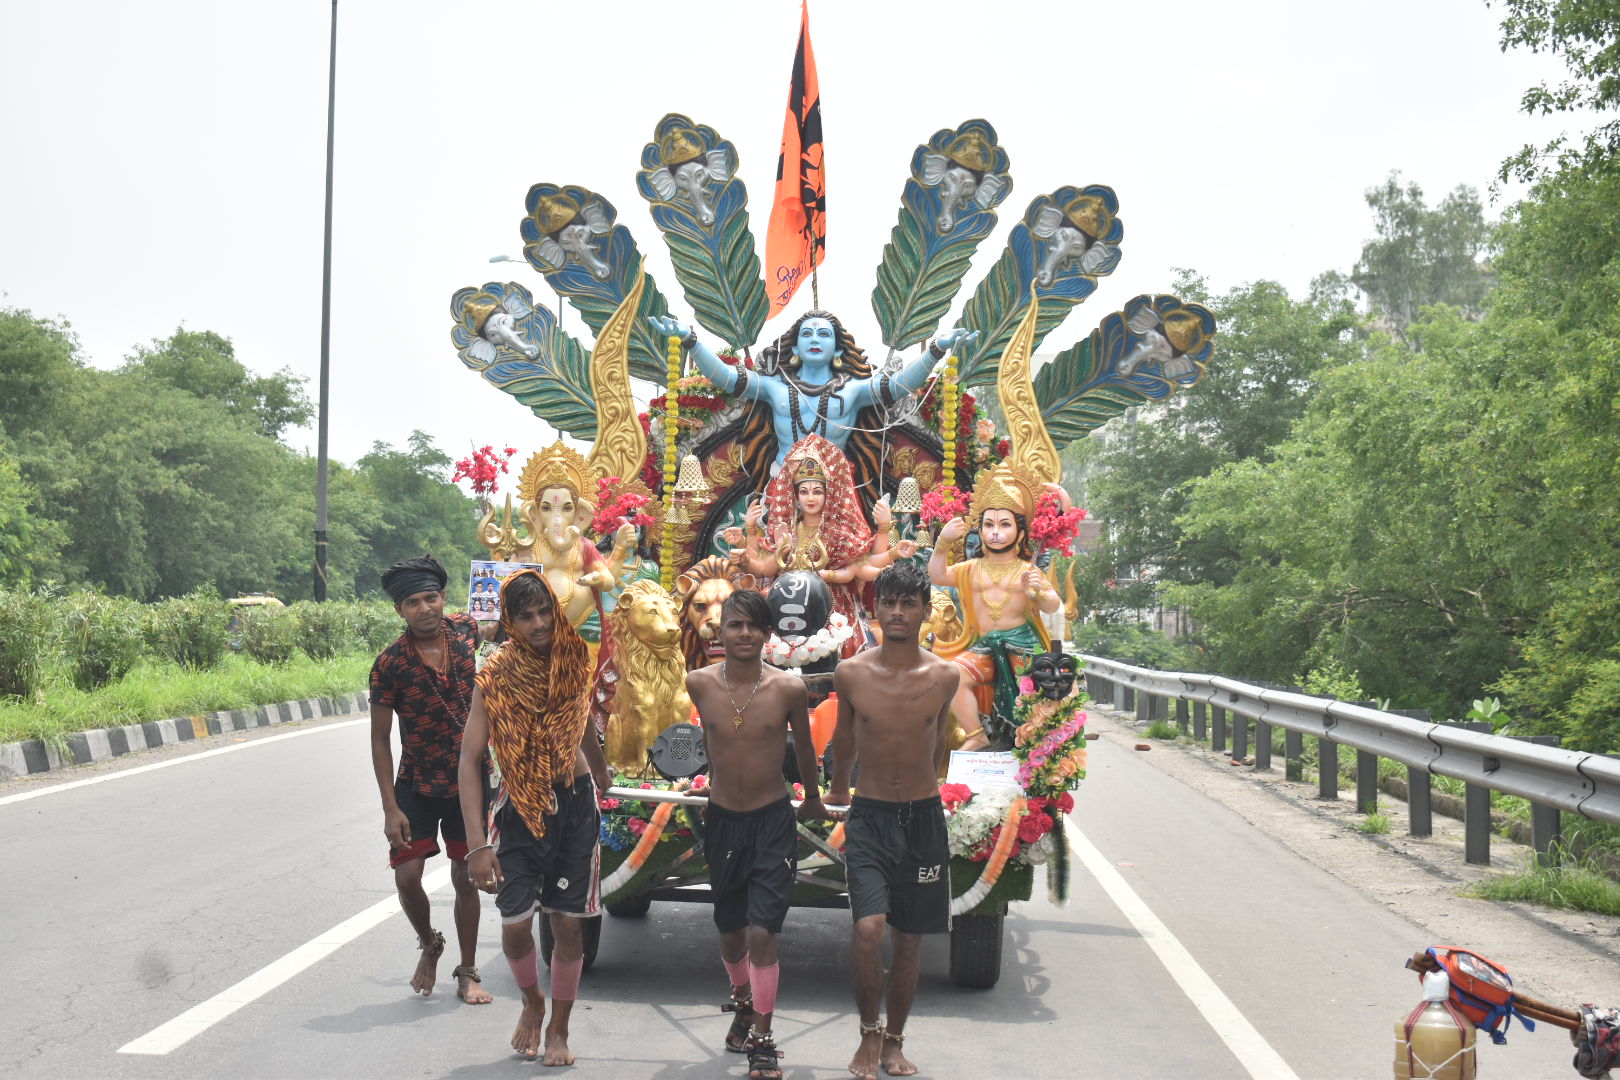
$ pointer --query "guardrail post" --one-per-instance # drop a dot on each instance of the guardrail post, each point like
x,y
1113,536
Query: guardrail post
x,y
1119,695
1327,768
1477,824
1130,699
1262,744
1240,736
1217,733
1419,802
1546,823
1144,708
1294,755
1476,798
1181,715
1200,728
1366,782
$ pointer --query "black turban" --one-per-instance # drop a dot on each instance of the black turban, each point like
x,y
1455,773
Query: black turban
x,y
411,576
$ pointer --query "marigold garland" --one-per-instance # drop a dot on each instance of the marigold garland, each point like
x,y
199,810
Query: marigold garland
x,y
1006,837
638,855
949,397
672,427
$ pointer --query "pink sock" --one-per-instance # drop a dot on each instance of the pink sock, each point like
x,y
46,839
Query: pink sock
x,y
764,982
565,978
736,970
525,970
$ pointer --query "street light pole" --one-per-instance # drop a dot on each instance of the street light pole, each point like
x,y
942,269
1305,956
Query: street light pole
x,y
326,330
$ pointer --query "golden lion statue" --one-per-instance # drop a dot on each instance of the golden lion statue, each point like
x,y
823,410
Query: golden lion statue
x,y
703,588
651,691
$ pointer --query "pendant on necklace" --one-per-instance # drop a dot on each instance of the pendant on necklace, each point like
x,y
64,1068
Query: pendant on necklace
x,y
736,721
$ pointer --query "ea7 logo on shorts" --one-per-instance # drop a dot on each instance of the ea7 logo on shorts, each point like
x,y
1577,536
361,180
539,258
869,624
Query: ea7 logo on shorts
x,y
927,875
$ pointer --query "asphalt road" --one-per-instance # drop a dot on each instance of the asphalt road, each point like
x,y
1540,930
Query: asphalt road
x,y
1193,945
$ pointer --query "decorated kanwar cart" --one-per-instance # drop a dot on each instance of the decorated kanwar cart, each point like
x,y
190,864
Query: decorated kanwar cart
x,y
799,462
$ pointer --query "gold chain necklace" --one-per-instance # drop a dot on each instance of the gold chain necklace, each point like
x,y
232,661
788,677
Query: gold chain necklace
x,y
809,553
725,677
998,577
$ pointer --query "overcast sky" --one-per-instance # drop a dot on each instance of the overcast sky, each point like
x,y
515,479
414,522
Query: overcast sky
x,y
164,159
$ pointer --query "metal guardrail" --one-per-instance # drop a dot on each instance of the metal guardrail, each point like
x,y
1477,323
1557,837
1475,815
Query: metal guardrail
x,y
1552,779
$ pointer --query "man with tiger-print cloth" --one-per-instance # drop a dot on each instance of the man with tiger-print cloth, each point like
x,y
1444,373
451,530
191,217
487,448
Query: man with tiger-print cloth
x,y
529,710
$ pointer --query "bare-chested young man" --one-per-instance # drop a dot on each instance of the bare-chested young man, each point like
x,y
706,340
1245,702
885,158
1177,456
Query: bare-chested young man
x,y
752,847
894,706
530,708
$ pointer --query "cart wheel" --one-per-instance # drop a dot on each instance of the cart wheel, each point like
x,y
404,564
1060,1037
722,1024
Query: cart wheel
x,y
976,949
592,931
631,908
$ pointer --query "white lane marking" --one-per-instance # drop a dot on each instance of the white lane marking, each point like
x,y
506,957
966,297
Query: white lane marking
x,y
137,770
1247,1045
199,1018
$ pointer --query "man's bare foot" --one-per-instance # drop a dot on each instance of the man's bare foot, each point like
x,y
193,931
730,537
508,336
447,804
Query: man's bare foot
x,y
468,988
526,1039
557,1052
865,1062
895,1062
427,968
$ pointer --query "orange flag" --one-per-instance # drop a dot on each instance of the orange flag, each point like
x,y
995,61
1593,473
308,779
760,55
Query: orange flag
x,y
796,239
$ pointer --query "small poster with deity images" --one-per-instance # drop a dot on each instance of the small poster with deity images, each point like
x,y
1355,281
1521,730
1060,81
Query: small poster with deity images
x,y
982,770
484,587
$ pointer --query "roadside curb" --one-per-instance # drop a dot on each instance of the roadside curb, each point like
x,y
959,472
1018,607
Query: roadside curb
x,y
36,756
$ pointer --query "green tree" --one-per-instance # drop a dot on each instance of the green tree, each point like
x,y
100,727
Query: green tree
x,y
40,373
421,510
204,363
169,492
1586,34
1268,355
1557,325
1422,256
28,542
354,514
1372,538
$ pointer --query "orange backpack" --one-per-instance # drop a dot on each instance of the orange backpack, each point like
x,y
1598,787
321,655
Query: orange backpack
x,y
1480,990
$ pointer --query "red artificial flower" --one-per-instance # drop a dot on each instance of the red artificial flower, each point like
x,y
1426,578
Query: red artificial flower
x,y
954,795
481,469
1065,803
608,804
1003,448
1054,527
944,502
636,825
1029,829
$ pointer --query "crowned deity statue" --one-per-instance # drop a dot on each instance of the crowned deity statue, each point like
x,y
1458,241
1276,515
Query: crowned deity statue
x,y
813,522
1002,594
815,380
554,485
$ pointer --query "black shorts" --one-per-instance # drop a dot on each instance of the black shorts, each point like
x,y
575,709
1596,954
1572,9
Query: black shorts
x,y
752,855
429,817
560,872
898,861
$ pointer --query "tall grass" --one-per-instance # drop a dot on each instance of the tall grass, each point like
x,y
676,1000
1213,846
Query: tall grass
x,y
1576,887
30,639
157,690
102,638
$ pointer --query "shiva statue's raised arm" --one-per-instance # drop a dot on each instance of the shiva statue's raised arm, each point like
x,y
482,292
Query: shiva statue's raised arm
x,y
887,389
711,367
